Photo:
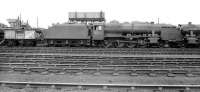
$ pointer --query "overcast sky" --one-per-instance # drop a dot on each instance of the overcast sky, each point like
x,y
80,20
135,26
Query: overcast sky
x,y
54,11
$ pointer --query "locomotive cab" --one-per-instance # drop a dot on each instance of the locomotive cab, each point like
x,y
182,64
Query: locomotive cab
x,y
96,33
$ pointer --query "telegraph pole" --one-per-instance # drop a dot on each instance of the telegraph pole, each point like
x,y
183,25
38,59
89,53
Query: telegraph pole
x,y
37,21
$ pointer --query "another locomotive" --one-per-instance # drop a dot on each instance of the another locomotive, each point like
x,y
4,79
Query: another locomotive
x,y
191,34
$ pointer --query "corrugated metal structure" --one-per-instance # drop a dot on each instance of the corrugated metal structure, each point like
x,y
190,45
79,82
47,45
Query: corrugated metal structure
x,y
14,34
86,16
9,34
67,31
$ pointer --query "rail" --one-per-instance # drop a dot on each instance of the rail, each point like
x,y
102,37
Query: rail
x,y
178,51
92,84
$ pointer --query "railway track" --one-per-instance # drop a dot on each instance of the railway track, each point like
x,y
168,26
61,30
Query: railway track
x,y
117,65
60,69
82,87
158,51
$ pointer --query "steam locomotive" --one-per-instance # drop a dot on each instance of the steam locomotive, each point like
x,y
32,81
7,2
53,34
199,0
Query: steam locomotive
x,y
88,29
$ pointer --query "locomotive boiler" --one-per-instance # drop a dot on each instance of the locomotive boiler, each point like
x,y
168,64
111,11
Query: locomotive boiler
x,y
141,35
